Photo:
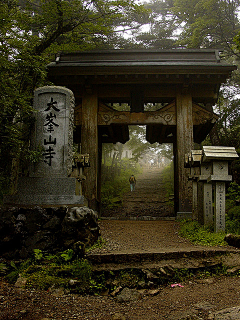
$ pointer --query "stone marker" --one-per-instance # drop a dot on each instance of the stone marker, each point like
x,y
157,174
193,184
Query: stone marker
x,y
220,157
213,162
207,204
48,182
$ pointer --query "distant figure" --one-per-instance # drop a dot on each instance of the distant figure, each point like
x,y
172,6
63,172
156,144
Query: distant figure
x,y
132,181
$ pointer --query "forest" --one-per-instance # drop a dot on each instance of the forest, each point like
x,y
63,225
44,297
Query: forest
x,y
33,31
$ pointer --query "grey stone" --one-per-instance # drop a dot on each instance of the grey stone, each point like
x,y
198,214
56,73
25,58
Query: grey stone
x,y
233,240
41,191
116,291
118,316
50,229
53,223
128,295
153,292
58,292
21,282
142,284
203,306
48,182
150,276
228,314
185,315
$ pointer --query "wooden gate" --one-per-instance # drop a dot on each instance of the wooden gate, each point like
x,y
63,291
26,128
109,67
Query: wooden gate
x,y
185,82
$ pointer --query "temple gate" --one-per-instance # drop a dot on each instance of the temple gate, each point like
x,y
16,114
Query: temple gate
x,y
185,82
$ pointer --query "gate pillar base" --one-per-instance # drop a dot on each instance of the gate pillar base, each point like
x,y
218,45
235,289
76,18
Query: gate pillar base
x,y
184,215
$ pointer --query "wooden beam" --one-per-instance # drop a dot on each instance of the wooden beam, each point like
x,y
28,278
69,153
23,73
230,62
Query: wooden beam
x,y
141,118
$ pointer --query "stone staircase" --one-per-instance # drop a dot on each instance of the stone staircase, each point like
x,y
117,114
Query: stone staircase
x,y
149,199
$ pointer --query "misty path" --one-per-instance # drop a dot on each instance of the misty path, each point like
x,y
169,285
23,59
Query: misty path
x,y
148,199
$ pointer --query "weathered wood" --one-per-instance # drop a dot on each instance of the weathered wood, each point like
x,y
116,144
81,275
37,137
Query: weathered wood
x,y
141,118
184,146
202,115
89,144
165,116
152,92
164,75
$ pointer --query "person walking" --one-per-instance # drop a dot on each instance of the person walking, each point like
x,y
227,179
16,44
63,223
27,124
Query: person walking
x,y
132,181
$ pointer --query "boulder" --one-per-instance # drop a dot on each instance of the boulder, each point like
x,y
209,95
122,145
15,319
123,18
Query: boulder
x,y
129,295
49,229
233,240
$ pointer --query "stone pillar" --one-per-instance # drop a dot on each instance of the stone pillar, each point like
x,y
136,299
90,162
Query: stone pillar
x,y
194,204
219,209
89,143
200,202
48,183
219,158
206,212
184,134
195,212
207,204
219,177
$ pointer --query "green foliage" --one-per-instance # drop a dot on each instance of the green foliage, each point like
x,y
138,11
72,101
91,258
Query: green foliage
x,y
31,33
168,179
55,275
45,277
97,245
198,234
233,210
46,271
58,258
233,192
15,269
67,255
38,254
192,24
3,268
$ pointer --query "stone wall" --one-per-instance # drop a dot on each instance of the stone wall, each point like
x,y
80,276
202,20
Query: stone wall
x,y
50,229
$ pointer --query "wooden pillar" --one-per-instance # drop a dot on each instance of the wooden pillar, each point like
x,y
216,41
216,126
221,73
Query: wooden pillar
x,y
99,178
89,142
175,177
184,137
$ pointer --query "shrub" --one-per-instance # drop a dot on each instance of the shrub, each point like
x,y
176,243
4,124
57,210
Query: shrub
x,y
198,234
233,211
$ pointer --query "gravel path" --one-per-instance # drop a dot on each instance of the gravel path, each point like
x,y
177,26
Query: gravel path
x,y
142,236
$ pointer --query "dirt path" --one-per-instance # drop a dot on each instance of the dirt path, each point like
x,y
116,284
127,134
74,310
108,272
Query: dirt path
x,y
196,299
142,236
148,199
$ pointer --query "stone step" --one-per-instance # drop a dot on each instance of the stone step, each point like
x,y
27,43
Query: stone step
x,y
147,201
175,259
141,218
